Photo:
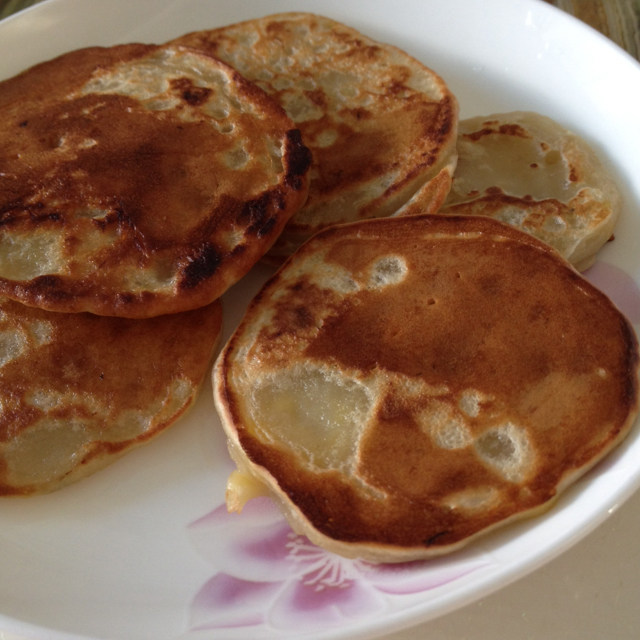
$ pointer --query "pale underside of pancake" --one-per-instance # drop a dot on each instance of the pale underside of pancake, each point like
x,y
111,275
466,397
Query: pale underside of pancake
x,y
77,391
378,122
138,180
526,169
403,385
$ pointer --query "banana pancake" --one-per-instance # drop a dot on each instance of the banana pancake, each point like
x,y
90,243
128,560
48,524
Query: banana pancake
x,y
528,170
403,385
379,123
138,180
79,390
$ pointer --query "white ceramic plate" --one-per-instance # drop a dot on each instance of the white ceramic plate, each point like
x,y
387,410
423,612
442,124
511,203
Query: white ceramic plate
x,y
144,549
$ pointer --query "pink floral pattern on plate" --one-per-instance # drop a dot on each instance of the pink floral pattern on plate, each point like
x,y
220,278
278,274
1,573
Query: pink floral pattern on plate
x,y
274,583
269,577
621,288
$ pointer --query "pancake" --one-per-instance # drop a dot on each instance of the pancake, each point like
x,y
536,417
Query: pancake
x,y
77,391
403,385
379,123
139,180
528,170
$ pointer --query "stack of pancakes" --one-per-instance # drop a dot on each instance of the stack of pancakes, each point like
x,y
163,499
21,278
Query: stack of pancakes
x,y
426,364
138,183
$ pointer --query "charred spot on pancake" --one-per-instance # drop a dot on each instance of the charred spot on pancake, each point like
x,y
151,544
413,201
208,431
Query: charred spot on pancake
x,y
200,266
448,115
476,135
317,97
103,219
513,130
300,159
431,540
49,286
266,228
125,299
256,214
54,216
303,317
238,250
17,211
509,129
361,113
190,93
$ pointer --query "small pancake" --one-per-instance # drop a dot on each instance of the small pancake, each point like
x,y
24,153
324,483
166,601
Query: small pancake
x,y
526,169
379,123
77,391
139,180
403,385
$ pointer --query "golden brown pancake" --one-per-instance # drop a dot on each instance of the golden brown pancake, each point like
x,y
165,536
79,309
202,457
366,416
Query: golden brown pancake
x,y
403,385
528,170
379,123
79,390
138,180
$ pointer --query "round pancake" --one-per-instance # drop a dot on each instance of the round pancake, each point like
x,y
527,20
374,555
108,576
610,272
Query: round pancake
x,y
528,170
79,390
379,123
403,385
138,180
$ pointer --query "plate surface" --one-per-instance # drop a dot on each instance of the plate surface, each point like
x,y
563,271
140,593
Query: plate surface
x,y
144,549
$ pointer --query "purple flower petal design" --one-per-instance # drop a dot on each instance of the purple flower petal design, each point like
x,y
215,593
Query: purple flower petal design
x,y
225,601
268,576
251,545
621,288
417,577
312,603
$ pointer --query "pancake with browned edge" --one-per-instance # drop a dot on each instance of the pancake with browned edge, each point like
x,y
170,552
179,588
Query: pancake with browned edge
x,y
403,385
380,124
77,390
532,172
138,180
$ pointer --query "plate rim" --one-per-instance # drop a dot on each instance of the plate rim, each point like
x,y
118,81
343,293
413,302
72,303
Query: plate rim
x,y
405,617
